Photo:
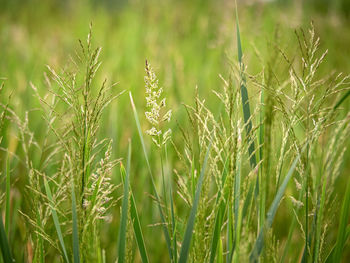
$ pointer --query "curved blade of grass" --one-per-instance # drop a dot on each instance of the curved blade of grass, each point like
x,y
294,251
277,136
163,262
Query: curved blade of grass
x,y
76,255
245,99
8,186
329,258
344,218
216,232
218,218
220,253
5,248
319,221
347,94
137,230
258,246
185,247
230,244
122,228
247,202
164,223
173,223
134,216
55,219
238,216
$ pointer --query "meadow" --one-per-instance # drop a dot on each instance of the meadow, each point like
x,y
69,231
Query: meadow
x,y
174,131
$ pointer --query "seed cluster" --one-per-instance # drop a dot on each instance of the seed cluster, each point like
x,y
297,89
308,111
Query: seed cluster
x,y
155,106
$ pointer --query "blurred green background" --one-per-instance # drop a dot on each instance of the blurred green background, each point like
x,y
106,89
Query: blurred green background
x,y
189,43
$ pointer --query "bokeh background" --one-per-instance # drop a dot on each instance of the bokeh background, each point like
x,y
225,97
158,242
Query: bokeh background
x,y
189,43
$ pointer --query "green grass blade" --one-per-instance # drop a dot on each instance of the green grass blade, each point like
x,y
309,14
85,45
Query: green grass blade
x,y
185,247
218,217
76,255
237,189
5,248
220,253
173,223
342,99
164,223
8,189
216,232
55,219
122,228
229,235
329,258
248,201
319,221
344,218
237,197
245,99
134,216
262,181
137,230
258,246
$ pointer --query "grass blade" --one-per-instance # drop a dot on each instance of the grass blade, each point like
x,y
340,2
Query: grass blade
x,y
247,202
347,94
55,219
329,258
229,235
185,247
173,223
5,248
258,246
220,253
344,218
137,230
319,219
219,217
122,228
76,255
8,189
216,232
164,223
134,216
245,99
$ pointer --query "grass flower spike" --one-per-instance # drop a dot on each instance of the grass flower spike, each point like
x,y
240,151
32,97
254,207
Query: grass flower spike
x,y
155,108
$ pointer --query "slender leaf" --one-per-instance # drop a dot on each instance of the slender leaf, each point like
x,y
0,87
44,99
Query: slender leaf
x,y
216,232
319,221
329,258
258,246
245,99
55,219
137,230
8,197
219,216
185,248
248,201
122,228
220,253
76,255
342,99
344,218
134,216
173,223
4,245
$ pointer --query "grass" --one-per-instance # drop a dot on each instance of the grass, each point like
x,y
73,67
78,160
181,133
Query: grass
x,y
247,166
